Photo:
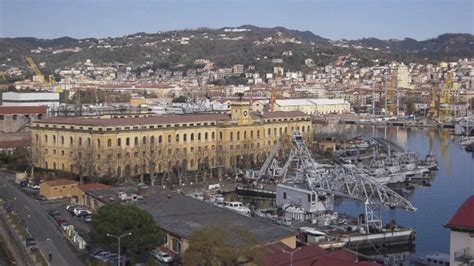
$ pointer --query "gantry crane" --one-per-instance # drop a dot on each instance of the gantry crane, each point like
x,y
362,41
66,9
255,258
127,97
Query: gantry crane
x,y
50,82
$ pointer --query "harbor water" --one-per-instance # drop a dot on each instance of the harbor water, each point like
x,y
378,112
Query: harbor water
x,y
450,186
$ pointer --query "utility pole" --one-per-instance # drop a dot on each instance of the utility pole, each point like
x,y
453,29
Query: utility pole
x,y
291,254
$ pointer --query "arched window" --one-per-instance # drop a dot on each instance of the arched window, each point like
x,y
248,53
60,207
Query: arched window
x,y
184,137
109,143
231,136
54,139
89,142
46,138
205,136
169,139
269,132
220,135
251,134
144,140
199,136
238,135
62,139
192,136
80,141
160,139
191,163
213,135
177,137
98,143
119,142
258,133
71,140
136,141
127,141
152,140
245,134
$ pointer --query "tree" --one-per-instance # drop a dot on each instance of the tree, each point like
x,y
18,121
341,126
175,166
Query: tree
x,y
118,219
218,245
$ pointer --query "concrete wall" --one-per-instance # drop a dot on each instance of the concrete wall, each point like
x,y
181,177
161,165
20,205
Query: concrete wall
x,y
458,242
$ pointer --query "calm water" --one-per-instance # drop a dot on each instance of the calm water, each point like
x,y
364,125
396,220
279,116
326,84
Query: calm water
x,y
451,185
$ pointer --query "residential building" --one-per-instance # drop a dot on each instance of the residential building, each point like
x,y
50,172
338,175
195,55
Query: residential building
x,y
125,147
461,225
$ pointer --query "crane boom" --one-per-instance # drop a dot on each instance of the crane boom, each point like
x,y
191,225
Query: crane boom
x,y
51,81
344,181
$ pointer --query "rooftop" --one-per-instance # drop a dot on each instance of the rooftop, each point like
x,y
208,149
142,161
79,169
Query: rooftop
x,y
162,119
60,182
277,255
6,110
93,186
20,143
463,219
181,215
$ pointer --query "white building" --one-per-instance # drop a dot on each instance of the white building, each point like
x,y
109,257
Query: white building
x,y
306,200
311,106
50,99
461,248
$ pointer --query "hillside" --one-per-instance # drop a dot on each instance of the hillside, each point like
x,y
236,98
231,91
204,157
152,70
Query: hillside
x,y
247,44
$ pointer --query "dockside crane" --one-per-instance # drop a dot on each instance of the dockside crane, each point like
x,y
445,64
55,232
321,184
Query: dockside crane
x,y
50,82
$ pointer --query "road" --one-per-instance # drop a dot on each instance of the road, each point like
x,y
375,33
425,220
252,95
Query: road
x,y
47,235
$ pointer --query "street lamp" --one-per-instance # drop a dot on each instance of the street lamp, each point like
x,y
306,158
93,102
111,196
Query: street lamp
x,y
291,254
118,238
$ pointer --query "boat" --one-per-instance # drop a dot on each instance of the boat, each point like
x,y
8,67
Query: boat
x,y
470,147
430,162
237,206
466,140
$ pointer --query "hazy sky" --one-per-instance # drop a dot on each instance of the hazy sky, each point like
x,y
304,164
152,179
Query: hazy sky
x,y
335,19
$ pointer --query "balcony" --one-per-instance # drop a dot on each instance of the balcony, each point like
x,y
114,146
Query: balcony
x,y
464,256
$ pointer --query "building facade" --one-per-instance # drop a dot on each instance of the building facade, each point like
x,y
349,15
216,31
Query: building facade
x,y
124,147
50,99
17,118
310,106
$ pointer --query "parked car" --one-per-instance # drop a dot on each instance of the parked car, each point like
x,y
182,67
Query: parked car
x,y
87,218
59,220
81,212
23,184
54,213
40,197
162,257
70,208
30,242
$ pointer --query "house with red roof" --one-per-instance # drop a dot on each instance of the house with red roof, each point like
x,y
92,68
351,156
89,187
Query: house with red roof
x,y
461,248
281,255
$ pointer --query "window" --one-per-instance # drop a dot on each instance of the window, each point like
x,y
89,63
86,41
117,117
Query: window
x,y
152,140
184,137
54,139
144,140
238,135
136,141
2,117
36,137
109,143
176,245
14,117
192,136
169,139
46,138
119,142
98,143
80,141
213,135
199,136
127,141
231,136
269,132
205,136
160,139
220,135
284,195
89,142
177,137
62,139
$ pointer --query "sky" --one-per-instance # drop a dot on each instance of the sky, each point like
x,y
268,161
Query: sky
x,y
334,19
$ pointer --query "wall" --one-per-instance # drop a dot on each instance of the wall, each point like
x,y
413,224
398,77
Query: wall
x,y
458,242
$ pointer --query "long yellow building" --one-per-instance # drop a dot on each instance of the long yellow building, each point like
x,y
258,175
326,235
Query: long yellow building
x,y
131,146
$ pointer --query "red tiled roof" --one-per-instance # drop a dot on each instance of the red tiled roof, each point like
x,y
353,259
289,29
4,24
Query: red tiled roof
x,y
93,186
162,119
10,110
128,121
277,255
464,217
21,143
60,182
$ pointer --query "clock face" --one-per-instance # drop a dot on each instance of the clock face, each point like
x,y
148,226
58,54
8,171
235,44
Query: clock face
x,y
245,113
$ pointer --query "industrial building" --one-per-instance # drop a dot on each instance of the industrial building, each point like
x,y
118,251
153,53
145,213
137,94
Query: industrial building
x,y
308,106
50,99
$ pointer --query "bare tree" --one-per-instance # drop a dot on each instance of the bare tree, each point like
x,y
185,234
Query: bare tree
x,y
83,162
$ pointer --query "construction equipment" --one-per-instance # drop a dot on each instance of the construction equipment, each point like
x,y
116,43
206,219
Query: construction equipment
x,y
269,167
344,181
50,82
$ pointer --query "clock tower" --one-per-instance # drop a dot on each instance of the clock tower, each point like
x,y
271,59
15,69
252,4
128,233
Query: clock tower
x,y
240,112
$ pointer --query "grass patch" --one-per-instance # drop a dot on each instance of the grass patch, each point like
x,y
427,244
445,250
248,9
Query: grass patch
x,y
39,258
19,225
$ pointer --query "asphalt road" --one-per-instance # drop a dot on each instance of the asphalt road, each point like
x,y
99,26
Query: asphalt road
x,y
47,235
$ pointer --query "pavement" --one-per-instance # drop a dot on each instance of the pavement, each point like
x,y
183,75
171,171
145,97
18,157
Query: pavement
x,y
49,238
